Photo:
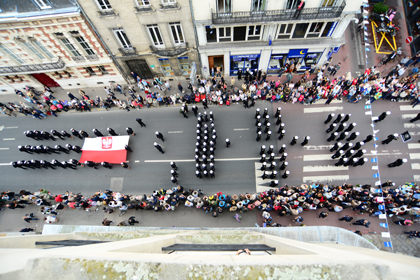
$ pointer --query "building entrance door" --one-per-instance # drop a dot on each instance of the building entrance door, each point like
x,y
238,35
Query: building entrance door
x,y
216,61
140,67
45,80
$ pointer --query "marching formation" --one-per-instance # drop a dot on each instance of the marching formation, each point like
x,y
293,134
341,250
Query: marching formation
x,y
205,146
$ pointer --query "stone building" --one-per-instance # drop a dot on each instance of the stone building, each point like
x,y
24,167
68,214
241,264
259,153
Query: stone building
x,y
262,34
148,37
49,42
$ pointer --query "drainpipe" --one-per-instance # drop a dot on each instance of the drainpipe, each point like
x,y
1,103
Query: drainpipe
x,y
195,34
98,36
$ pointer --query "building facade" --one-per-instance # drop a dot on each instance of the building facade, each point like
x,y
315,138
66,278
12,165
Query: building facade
x,y
262,34
148,37
412,18
49,42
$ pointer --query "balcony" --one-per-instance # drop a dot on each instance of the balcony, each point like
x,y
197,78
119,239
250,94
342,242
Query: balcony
x,y
78,58
92,57
170,52
171,6
128,51
278,15
144,9
107,13
33,68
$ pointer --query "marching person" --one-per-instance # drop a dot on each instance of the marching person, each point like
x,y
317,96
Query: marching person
x,y
106,164
159,136
140,122
130,131
111,132
97,132
398,162
390,138
159,147
125,165
383,116
75,133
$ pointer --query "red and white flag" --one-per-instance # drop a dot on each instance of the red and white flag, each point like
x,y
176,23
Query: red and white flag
x,y
110,149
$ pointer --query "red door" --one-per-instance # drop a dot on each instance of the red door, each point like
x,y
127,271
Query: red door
x,y
45,80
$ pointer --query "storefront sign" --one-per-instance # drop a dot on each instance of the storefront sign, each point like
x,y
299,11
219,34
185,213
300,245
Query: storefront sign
x,y
277,57
248,56
184,57
314,55
299,53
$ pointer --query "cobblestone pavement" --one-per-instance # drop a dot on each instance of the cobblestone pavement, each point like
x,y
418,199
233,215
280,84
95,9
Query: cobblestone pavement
x,y
401,243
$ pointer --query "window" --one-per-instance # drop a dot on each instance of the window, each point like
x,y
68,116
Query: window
x,y
177,34
11,54
285,31
104,4
225,34
224,6
103,70
254,32
40,46
143,2
239,33
328,3
184,65
310,59
155,34
315,29
90,71
211,34
70,47
84,45
300,30
292,4
276,62
122,37
33,50
166,67
327,28
258,5
43,4
169,1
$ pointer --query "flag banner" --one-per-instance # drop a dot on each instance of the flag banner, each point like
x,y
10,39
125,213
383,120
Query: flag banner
x,y
110,149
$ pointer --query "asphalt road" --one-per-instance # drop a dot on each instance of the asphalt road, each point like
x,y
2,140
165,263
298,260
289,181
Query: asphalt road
x,y
235,166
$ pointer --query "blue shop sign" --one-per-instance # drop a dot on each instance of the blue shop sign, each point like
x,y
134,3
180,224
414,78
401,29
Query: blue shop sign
x,y
248,56
160,59
297,53
277,57
184,57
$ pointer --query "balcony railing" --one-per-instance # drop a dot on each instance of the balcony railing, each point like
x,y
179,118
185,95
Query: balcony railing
x,y
170,52
278,15
92,57
144,8
107,13
78,58
171,6
128,51
33,68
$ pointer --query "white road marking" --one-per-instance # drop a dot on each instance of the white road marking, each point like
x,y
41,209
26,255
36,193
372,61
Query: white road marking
x,y
8,139
319,168
411,125
322,109
375,118
407,108
2,149
384,154
414,156
136,161
416,178
326,178
415,166
374,152
1,128
3,164
317,148
10,127
169,160
336,101
374,167
191,160
413,146
368,113
317,157
386,234
412,133
175,131
238,129
408,116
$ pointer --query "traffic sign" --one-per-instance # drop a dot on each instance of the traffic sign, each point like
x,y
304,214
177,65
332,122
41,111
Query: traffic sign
x,y
409,39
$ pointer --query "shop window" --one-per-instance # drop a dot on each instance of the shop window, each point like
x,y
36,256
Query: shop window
x,y
315,29
258,5
90,71
276,62
300,30
103,70
327,29
225,34
254,32
211,34
310,59
166,67
104,4
239,33
184,65
285,31
224,6
292,4
177,34
243,62
155,34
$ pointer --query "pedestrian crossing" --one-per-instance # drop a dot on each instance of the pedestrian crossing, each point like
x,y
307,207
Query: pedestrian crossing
x,y
413,145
